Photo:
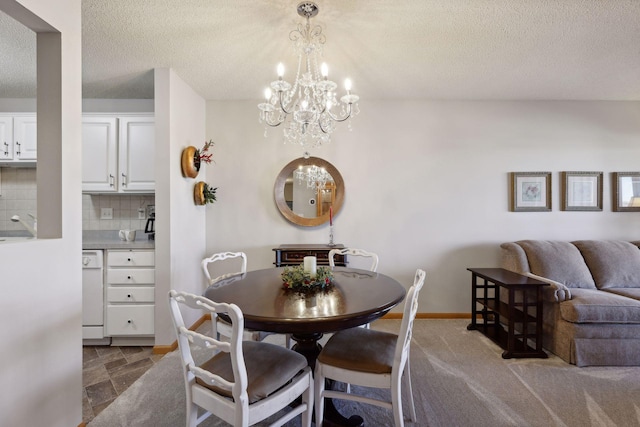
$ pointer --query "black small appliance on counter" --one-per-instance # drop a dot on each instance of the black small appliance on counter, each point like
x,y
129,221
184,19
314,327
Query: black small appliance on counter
x,y
149,228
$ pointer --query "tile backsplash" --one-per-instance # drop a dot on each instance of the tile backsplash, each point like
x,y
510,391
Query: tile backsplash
x,y
125,211
19,194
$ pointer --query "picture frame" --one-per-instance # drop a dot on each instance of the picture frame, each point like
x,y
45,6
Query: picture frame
x,y
581,191
626,191
530,191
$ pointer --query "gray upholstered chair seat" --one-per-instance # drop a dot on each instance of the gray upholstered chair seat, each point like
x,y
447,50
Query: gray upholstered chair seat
x,y
359,349
268,367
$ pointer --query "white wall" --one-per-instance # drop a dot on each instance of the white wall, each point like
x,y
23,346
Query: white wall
x,y
180,224
426,183
41,356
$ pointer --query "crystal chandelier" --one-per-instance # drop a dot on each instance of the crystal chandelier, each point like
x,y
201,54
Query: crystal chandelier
x,y
315,177
309,108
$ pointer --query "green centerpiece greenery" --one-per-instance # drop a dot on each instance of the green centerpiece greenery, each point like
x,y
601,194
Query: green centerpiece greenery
x,y
295,278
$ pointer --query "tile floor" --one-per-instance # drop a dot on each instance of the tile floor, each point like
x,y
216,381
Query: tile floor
x,y
108,371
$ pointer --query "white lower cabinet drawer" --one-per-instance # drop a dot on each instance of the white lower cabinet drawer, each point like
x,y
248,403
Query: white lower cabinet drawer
x,y
130,294
131,276
131,258
130,320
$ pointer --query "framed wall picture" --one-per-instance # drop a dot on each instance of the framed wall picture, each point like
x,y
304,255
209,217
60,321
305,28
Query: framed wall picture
x,y
530,191
581,191
626,191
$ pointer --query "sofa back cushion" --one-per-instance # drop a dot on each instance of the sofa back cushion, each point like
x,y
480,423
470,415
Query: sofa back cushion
x,y
613,264
559,261
513,258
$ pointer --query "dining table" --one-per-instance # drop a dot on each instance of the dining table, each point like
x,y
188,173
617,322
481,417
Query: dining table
x,y
356,297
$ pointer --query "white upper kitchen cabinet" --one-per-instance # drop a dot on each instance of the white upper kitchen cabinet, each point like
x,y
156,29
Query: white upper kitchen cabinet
x,y
99,154
18,138
118,154
137,154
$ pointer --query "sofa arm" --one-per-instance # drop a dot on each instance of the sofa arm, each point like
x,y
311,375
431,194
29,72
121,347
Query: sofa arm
x,y
559,291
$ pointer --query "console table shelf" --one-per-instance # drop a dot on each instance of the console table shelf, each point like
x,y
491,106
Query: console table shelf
x,y
515,324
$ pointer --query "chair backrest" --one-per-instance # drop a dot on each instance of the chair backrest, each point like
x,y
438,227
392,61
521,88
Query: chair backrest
x,y
408,316
221,257
179,301
354,252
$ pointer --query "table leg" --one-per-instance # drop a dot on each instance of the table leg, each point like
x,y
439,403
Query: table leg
x,y
308,346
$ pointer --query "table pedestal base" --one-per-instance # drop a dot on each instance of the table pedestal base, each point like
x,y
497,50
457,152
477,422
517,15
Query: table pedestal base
x,y
308,346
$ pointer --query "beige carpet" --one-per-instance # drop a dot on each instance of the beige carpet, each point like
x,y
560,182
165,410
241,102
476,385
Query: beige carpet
x,y
459,379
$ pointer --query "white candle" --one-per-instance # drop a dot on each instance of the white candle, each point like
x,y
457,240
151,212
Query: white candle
x,y
310,266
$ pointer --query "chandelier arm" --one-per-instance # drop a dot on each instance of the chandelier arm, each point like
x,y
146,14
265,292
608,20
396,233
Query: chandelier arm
x,y
321,128
282,107
338,119
273,123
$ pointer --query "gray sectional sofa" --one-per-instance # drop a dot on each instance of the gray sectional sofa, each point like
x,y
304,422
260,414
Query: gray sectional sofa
x,y
592,308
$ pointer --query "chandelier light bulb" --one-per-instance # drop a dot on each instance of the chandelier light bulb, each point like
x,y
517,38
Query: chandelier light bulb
x,y
310,106
267,94
324,70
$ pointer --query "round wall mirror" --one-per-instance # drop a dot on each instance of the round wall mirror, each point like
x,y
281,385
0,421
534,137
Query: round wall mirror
x,y
307,189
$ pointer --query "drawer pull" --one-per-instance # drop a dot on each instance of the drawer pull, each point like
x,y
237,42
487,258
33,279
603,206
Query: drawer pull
x,y
128,295
129,277
129,321
129,259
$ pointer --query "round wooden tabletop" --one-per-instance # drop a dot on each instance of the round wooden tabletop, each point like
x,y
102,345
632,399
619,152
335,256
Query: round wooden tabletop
x,y
357,297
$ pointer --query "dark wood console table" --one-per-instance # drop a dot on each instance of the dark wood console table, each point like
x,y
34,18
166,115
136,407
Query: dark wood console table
x,y
287,255
520,313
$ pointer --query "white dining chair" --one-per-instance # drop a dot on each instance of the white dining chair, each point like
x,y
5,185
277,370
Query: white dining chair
x,y
354,252
223,327
241,382
370,358
221,256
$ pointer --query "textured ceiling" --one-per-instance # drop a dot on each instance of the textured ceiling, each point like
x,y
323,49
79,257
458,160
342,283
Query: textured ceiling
x,y
421,49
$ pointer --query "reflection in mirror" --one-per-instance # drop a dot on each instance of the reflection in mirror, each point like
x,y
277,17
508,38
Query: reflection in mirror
x,y
307,189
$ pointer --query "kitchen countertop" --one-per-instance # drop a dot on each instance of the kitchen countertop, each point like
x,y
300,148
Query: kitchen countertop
x,y
109,240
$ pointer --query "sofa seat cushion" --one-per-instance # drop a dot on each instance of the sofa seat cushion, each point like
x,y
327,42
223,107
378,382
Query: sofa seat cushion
x,y
595,306
613,264
626,292
559,261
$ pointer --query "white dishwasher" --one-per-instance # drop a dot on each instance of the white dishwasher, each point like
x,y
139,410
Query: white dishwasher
x,y
93,298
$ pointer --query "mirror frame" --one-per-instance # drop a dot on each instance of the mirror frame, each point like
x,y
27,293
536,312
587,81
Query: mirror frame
x,y
287,171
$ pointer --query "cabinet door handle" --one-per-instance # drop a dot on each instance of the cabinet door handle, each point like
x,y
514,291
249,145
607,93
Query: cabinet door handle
x,y
6,149
124,180
111,180
18,150
129,321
